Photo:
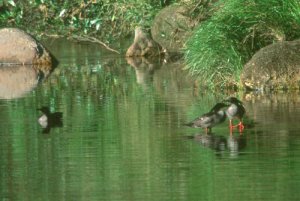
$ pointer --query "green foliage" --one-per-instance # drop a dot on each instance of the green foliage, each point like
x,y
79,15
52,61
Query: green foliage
x,y
220,46
106,19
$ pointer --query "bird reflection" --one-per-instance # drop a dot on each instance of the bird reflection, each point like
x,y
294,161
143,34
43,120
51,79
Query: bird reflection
x,y
221,144
235,144
144,69
217,143
49,120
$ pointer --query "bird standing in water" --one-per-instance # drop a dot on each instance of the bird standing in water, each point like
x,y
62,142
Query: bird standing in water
x,y
236,110
208,120
49,120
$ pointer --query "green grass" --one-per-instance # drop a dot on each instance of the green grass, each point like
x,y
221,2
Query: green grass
x,y
220,46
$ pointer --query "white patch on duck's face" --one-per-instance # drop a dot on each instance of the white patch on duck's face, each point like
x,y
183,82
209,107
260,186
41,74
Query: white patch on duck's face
x,y
43,121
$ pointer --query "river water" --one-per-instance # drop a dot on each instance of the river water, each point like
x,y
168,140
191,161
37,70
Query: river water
x,y
122,137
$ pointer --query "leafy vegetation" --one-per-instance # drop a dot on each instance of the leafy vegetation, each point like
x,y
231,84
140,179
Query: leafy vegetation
x,y
105,19
221,45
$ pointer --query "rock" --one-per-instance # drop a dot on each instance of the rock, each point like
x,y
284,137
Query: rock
x,y
171,27
275,66
18,47
143,45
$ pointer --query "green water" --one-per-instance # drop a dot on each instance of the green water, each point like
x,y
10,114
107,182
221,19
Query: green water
x,y
122,137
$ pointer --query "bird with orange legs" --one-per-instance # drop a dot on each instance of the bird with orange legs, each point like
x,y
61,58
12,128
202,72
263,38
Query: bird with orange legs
x,y
236,110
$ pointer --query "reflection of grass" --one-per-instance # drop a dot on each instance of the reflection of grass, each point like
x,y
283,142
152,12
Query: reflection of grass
x,y
220,46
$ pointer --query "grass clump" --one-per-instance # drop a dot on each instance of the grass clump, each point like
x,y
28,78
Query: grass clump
x,y
220,46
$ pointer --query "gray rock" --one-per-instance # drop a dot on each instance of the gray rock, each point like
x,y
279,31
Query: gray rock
x,y
18,47
275,66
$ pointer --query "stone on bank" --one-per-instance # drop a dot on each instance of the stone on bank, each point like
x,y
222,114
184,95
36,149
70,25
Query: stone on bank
x,y
18,47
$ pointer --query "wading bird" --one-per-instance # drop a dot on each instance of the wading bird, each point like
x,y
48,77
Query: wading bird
x,y
208,120
236,110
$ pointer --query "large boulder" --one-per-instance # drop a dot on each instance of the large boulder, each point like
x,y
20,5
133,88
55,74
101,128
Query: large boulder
x,y
18,47
275,66
172,26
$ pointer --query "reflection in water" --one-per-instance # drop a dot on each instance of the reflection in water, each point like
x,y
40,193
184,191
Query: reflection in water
x,y
215,142
49,120
17,80
236,144
219,143
276,108
144,69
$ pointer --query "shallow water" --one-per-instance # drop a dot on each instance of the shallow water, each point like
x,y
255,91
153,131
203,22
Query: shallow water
x,y
122,137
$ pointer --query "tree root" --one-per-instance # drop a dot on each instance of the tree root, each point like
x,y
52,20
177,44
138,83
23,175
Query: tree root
x,y
93,40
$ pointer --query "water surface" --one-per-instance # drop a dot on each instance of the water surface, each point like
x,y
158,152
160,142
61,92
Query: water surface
x,y
122,137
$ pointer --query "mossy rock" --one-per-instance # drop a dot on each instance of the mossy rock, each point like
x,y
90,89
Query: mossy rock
x,y
172,26
275,66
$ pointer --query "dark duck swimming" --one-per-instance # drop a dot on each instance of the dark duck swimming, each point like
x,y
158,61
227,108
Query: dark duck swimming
x,y
236,110
49,120
208,120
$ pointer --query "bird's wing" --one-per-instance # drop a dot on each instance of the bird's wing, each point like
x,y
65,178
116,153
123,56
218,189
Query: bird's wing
x,y
242,110
206,118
